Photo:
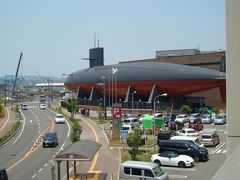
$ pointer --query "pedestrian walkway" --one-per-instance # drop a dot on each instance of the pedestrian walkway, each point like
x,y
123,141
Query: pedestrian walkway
x,y
106,162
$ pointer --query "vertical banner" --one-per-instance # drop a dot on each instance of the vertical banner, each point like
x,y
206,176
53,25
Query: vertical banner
x,y
116,121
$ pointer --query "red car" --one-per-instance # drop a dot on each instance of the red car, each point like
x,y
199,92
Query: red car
x,y
196,124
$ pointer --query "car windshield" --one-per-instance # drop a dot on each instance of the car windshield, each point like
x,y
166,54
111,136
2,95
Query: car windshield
x,y
219,117
158,171
197,142
59,116
206,116
206,136
49,136
180,116
191,131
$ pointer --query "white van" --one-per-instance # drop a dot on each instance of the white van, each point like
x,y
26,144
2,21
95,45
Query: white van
x,y
195,140
131,170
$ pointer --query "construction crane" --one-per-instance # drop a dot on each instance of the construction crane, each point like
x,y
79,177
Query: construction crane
x,y
15,80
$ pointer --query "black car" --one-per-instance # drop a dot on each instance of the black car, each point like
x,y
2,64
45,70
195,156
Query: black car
x,y
185,148
50,139
3,174
166,135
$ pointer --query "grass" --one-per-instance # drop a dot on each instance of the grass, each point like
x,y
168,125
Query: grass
x,y
142,156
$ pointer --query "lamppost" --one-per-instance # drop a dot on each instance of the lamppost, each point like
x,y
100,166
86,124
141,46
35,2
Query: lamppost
x,y
134,92
72,113
154,108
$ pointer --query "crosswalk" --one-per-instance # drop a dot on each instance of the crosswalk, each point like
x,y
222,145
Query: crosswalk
x,y
219,149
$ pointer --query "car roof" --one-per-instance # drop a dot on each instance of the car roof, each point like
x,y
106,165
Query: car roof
x,y
183,138
188,129
140,164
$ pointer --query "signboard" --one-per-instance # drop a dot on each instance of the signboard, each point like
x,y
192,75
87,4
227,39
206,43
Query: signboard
x,y
116,112
123,136
116,121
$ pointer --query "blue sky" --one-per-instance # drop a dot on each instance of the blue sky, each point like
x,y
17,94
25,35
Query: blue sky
x,y
55,35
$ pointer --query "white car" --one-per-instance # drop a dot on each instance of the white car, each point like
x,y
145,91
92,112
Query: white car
x,y
171,158
187,132
43,106
59,118
182,118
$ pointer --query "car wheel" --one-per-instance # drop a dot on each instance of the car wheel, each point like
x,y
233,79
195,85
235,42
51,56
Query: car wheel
x,y
181,164
157,162
196,158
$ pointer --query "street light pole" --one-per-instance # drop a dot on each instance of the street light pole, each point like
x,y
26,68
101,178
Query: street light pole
x,y
134,92
154,109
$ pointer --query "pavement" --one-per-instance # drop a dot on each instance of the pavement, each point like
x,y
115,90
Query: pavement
x,y
106,162
6,122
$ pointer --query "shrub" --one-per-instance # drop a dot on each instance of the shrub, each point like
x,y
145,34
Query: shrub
x,y
185,109
76,131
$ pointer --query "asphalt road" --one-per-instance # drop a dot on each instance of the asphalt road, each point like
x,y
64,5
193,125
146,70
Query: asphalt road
x,y
23,156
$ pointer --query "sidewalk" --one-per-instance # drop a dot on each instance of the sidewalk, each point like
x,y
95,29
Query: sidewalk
x,y
108,159
7,121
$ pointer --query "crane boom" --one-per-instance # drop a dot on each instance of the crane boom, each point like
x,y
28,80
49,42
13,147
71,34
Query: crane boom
x,y
15,80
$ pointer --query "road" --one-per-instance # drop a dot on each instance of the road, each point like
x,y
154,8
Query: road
x,y
23,156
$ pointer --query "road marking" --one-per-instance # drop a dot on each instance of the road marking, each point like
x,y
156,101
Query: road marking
x,y
45,165
31,121
225,132
178,176
218,151
217,147
40,170
179,169
34,176
224,151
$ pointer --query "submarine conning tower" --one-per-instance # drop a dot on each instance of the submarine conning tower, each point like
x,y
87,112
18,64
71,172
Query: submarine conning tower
x,y
96,57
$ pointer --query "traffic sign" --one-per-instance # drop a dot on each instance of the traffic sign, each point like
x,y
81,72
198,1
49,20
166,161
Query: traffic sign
x,y
117,112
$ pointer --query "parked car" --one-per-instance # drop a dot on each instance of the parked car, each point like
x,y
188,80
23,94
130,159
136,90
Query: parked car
x,y
220,119
207,119
136,170
187,132
172,158
50,139
166,135
209,137
195,123
127,127
182,118
59,119
185,148
194,140
42,106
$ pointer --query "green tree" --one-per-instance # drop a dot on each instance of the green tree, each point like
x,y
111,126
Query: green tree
x,y
100,112
134,141
76,131
69,104
185,109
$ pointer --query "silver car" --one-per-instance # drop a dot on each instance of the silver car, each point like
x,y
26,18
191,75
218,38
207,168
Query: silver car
x,y
220,119
207,119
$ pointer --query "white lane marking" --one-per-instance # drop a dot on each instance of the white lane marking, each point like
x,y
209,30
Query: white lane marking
x,y
224,151
218,151
217,147
31,121
34,176
45,165
62,147
178,169
20,132
178,176
40,170
225,132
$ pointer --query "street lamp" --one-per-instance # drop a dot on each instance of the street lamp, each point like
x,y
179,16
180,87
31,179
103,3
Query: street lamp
x,y
72,113
154,108
132,99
